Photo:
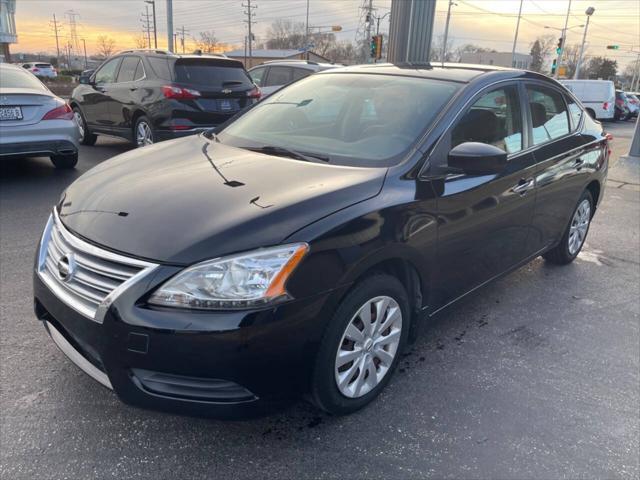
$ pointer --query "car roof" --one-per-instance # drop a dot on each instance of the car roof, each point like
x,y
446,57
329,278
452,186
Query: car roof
x,y
457,72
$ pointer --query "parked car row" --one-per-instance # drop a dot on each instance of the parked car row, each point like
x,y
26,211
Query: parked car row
x,y
602,101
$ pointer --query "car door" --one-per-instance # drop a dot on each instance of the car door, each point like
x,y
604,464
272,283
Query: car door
x,y
95,105
483,220
560,153
277,77
124,94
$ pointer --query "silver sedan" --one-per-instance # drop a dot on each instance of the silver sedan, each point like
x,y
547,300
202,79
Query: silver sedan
x,y
33,121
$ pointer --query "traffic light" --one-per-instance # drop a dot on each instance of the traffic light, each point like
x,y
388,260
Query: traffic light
x,y
613,47
560,45
553,66
376,47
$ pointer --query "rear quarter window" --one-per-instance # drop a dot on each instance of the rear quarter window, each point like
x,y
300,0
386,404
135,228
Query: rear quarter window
x,y
160,67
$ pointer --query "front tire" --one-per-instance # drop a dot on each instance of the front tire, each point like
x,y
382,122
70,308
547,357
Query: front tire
x,y
143,133
575,234
361,346
64,162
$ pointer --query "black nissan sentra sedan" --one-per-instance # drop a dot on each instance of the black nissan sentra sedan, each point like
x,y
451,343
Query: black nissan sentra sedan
x,y
297,248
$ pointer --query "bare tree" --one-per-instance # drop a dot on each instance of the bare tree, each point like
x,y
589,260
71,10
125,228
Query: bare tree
x,y
207,42
436,50
284,33
106,46
140,41
570,59
343,52
468,48
541,50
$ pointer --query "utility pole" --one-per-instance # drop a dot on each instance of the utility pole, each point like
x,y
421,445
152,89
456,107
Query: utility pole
x,y
182,33
249,21
84,45
411,31
515,38
446,31
155,29
369,19
146,25
306,34
588,12
55,24
170,25
73,34
564,41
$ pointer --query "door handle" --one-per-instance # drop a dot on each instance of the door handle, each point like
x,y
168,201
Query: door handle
x,y
578,164
523,186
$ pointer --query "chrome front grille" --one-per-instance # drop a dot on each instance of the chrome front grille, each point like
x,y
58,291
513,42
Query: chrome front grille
x,y
85,277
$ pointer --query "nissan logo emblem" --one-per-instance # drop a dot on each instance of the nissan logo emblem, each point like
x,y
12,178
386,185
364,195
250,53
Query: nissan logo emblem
x,y
66,267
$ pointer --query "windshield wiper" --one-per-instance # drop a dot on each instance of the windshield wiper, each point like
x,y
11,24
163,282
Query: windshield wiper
x,y
286,152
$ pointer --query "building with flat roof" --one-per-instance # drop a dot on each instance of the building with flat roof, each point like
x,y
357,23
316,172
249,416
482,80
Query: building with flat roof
x,y
500,59
264,55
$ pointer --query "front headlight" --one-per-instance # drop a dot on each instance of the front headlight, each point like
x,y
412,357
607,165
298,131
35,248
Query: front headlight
x,y
237,281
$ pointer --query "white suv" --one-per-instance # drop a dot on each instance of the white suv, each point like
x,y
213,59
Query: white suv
x,y
275,74
40,69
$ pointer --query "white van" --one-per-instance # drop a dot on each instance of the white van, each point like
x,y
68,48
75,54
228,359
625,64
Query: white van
x,y
597,96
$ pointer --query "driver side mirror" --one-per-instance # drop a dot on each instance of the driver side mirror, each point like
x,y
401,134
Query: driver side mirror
x,y
85,77
474,158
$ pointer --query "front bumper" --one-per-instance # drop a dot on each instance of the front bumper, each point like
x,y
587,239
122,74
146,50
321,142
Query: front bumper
x,y
207,364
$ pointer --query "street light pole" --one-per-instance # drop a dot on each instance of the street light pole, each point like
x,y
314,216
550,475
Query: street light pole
x,y
564,40
446,30
515,38
589,12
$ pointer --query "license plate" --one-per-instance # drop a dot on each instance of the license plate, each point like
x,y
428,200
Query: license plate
x,y
225,105
10,113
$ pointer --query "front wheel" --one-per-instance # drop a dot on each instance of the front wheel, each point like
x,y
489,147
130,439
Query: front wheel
x,y
143,132
575,234
361,346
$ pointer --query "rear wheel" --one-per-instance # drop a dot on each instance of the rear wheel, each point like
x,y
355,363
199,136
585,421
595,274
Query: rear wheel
x,y
575,234
86,137
64,161
143,132
361,346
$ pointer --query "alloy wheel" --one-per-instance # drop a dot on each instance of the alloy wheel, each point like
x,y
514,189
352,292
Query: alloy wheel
x,y
80,122
144,135
368,346
579,226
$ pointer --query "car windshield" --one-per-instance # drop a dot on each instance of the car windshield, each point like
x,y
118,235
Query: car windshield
x,y
14,78
344,118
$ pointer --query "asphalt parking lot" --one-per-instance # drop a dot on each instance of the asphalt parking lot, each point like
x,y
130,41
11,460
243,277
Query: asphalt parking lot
x,y
534,376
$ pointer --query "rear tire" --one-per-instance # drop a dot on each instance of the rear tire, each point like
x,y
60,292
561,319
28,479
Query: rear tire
x,y
376,301
64,161
86,137
575,234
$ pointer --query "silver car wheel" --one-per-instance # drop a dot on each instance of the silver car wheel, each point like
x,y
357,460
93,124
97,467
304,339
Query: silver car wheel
x,y
144,135
368,346
579,226
80,122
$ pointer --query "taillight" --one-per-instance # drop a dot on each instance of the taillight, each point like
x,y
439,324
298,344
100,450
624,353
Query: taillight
x,y
605,106
254,93
35,69
63,112
179,93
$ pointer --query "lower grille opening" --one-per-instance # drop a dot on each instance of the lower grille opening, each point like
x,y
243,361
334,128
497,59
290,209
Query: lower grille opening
x,y
191,388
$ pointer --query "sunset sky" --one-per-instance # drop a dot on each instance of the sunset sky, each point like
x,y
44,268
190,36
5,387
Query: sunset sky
x,y
482,22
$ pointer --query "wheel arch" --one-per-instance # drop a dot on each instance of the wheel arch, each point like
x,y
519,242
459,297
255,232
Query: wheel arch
x,y
594,188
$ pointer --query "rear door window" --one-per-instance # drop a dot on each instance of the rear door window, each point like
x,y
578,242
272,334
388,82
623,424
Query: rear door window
x,y
299,73
279,76
214,74
549,117
128,68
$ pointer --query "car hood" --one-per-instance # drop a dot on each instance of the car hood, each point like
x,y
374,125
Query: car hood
x,y
191,199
